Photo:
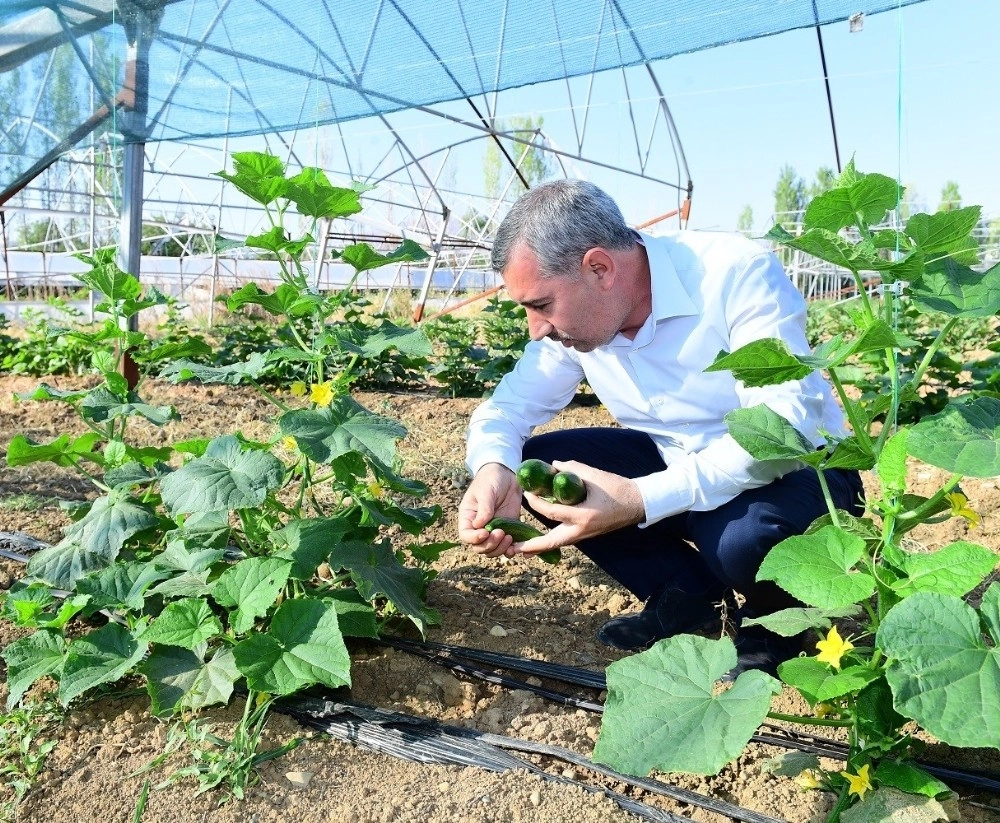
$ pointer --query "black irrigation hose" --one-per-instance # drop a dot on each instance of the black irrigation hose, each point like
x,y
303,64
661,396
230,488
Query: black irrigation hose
x,y
450,656
428,741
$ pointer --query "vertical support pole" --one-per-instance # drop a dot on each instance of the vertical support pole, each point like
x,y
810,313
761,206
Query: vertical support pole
x,y
431,266
140,26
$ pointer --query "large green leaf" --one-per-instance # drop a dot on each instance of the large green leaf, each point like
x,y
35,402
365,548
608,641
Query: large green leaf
x,y
185,623
389,336
225,478
179,678
766,435
944,674
107,278
662,713
819,568
345,426
943,231
302,646
964,438
63,451
286,299
888,804
792,621
869,197
101,405
830,246
119,586
307,543
363,257
817,682
956,289
29,658
761,363
230,375
955,569
101,656
46,392
315,196
260,176
250,587
94,541
376,571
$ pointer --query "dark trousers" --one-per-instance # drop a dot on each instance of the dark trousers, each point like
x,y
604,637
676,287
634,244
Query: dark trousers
x,y
704,553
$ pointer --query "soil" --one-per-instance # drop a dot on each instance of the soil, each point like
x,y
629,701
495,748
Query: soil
x,y
520,607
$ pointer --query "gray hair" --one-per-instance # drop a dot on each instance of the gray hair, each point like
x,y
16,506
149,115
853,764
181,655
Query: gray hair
x,y
560,222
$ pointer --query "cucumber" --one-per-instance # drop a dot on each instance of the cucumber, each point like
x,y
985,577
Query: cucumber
x,y
521,531
536,476
517,529
568,489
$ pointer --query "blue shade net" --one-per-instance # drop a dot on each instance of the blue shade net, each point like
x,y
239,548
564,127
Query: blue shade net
x,y
241,67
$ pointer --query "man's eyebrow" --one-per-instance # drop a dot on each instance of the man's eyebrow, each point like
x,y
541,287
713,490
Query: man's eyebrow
x,y
535,303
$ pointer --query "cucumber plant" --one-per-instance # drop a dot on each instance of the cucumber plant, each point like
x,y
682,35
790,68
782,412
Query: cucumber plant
x,y
919,652
228,561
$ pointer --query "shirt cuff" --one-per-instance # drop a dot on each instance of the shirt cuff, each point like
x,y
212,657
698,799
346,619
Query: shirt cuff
x,y
662,497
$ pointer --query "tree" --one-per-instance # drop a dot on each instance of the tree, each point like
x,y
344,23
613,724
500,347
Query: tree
x,y
950,198
826,179
744,222
533,162
789,197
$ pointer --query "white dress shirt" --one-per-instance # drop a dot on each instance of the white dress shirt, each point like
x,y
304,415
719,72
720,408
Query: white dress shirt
x,y
710,292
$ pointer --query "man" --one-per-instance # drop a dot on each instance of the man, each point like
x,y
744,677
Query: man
x,y
676,511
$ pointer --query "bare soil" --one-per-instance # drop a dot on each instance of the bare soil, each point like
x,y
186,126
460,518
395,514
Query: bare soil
x,y
521,607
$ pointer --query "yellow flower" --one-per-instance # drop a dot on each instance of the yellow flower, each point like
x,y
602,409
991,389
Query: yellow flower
x,y
809,779
833,648
289,443
298,389
322,393
824,709
858,783
960,508
375,489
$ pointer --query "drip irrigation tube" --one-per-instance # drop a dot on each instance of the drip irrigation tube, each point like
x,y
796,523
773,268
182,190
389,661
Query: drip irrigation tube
x,y
428,741
451,657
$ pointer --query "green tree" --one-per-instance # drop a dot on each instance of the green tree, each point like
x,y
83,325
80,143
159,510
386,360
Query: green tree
x,y
950,197
826,179
789,197
744,223
532,161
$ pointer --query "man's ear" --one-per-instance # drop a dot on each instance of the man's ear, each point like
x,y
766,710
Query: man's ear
x,y
599,265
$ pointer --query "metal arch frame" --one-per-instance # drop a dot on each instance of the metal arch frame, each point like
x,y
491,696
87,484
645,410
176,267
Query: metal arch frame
x,y
434,226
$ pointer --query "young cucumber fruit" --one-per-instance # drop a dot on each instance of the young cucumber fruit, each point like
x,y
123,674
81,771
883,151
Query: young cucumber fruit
x,y
536,476
539,477
521,531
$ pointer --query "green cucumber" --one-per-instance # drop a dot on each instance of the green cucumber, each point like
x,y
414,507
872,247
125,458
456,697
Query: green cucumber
x,y
536,476
517,529
568,489
521,531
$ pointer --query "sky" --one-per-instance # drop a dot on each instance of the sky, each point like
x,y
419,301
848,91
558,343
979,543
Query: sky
x,y
915,95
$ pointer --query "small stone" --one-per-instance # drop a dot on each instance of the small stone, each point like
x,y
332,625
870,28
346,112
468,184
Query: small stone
x,y
574,582
443,787
498,631
569,774
535,798
299,779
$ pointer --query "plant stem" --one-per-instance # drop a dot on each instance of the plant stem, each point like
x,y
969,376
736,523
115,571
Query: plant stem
x,y
858,426
809,721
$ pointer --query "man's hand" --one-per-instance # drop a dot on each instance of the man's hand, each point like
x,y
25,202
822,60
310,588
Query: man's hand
x,y
613,502
494,492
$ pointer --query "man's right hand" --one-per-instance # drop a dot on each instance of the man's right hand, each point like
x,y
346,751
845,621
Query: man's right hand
x,y
494,492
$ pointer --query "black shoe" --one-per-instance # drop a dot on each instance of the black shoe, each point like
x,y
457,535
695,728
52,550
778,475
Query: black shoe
x,y
666,614
763,651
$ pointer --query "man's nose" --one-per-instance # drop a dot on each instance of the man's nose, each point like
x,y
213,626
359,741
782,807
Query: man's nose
x,y
538,328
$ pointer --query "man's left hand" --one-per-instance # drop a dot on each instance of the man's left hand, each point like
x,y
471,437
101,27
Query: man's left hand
x,y
613,502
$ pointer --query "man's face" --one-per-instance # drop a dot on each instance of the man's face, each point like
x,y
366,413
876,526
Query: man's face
x,y
577,310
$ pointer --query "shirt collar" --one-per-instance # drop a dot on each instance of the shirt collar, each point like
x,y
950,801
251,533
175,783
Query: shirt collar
x,y
670,297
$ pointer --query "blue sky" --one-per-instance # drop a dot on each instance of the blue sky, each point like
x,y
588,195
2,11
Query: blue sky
x,y
746,109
